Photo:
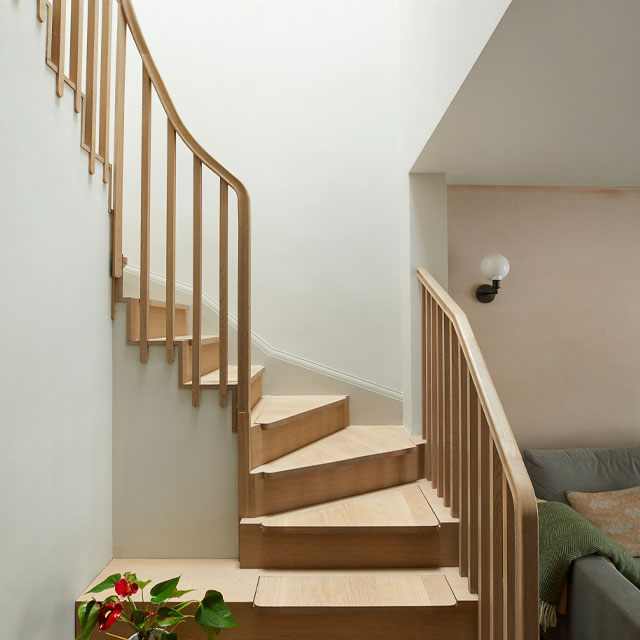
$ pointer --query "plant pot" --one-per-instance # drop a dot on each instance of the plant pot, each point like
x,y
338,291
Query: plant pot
x,y
154,634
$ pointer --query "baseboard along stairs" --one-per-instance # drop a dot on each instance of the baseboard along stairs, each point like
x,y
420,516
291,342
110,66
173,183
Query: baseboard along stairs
x,y
344,531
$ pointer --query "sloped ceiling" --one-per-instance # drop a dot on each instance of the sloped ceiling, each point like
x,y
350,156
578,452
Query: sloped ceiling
x,y
554,99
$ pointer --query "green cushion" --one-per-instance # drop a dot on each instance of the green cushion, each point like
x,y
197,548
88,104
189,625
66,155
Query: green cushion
x,y
553,472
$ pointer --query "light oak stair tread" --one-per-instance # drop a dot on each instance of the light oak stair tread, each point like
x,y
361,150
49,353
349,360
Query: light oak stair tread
x,y
239,585
353,591
213,379
403,507
347,444
437,504
273,410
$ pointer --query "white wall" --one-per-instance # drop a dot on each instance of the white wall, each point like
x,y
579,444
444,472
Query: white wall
x,y
426,247
299,99
439,42
55,379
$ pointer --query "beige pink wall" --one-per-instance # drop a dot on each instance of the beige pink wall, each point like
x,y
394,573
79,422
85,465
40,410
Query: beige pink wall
x,y
562,340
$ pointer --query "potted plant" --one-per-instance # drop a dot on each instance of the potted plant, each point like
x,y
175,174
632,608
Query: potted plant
x,y
156,620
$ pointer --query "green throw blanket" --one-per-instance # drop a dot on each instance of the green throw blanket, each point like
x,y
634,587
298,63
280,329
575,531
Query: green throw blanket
x,y
565,536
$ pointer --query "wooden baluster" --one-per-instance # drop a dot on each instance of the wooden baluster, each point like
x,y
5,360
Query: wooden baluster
x,y
424,382
497,478
454,349
446,423
197,280
91,84
75,56
527,581
245,506
58,42
171,241
41,11
439,408
118,155
145,190
223,318
473,454
428,381
105,87
508,563
463,551
485,474
433,391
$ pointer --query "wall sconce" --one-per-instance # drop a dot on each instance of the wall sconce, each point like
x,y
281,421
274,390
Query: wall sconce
x,y
494,267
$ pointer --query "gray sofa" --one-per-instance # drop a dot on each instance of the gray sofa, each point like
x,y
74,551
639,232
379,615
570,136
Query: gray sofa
x,y
602,604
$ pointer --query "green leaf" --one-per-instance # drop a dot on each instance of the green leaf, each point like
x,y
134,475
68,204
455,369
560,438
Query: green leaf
x,y
163,590
138,616
213,613
184,605
168,617
106,584
84,610
178,594
90,615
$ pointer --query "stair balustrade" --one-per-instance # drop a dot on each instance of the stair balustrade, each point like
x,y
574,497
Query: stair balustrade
x,y
94,103
475,465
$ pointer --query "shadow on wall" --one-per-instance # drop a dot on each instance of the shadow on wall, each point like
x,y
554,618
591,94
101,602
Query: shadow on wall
x,y
370,404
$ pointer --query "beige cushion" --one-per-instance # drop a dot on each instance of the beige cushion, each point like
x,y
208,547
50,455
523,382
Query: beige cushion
x,y
617,513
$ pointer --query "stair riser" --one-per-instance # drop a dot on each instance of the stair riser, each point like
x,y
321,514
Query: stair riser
x,y
447,623
280,439
157,320
277,492
209,360
349,549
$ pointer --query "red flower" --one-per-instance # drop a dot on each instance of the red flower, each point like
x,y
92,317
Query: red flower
x,y
125,588
109,613
151,615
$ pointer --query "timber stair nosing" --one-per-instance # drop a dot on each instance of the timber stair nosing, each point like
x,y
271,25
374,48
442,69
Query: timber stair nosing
x,y
344,529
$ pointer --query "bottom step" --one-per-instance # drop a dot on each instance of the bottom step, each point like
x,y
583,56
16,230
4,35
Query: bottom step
x,y
316,605
405,526
298,593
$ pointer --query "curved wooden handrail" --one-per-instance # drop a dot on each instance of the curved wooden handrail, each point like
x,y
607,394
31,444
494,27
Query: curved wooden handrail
x,y
202,157
172,113
525,510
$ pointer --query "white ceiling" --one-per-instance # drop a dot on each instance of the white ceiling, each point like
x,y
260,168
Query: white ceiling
x,y
554,99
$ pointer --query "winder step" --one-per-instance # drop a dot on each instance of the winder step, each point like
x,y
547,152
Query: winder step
x,y
354,460
212,379
395,527
282,424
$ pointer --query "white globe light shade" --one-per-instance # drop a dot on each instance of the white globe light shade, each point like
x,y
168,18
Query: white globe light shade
x,y
494,267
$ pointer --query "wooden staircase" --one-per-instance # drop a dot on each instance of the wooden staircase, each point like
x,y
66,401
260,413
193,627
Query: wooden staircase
x,y
345,531
344,501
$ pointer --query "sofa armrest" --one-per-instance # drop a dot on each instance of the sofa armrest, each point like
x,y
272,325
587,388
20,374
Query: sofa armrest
x,y
602,603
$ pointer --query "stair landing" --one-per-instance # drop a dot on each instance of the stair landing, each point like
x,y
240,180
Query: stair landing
x,y
314,605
